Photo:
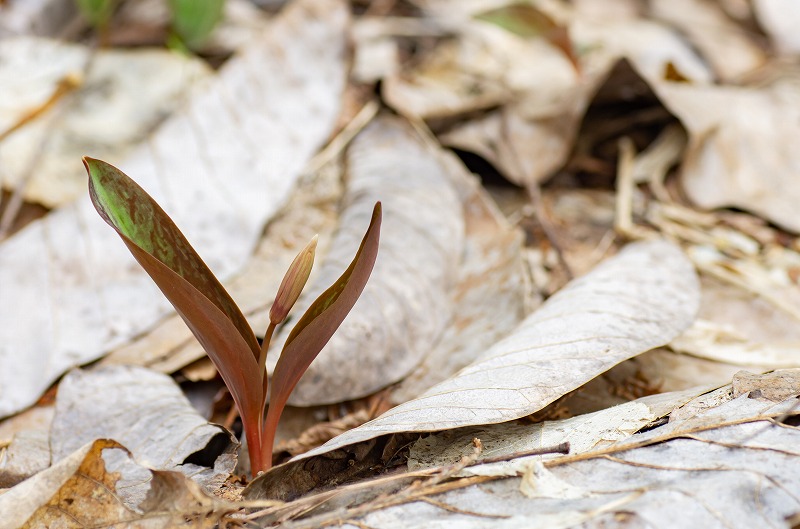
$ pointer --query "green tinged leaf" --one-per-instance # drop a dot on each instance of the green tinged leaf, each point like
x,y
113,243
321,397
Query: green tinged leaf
x,y
165,254
527,21
317,325
97,12
133,213
194,20
522,19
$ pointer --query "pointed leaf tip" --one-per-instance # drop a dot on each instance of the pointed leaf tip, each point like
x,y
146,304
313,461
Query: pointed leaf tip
x,y
185,280
141,221
293,282
317,325
356,276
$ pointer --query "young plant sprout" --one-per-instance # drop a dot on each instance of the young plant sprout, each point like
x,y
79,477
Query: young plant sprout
x,y
212,315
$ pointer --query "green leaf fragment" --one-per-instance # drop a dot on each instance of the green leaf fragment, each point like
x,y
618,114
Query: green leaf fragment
x,y
97,12
198,297
128,208
521,19
194,20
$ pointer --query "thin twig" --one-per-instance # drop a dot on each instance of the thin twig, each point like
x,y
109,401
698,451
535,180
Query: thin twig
x,y
562,448
360,525
338,143
68,84
535,195
441,479
623,217
450,508
66,87
17,197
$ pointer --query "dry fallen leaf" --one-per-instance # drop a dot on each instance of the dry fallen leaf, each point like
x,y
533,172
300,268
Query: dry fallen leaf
x,y
634,302
740,159
27,454
584,433
628,305
779,18
491,280
145,411
726,465
37,418
724,44
114,106
99,485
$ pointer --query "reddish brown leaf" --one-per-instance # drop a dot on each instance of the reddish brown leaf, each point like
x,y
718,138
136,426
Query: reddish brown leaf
x,y
165,254
127,208
317,325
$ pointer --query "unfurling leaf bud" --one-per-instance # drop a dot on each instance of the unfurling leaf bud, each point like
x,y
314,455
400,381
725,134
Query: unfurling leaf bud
x,y
293,282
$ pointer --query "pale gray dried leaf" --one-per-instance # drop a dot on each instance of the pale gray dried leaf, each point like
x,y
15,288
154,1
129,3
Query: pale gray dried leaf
x,y
406,304
490,281
725,44
36,17
779,19
37,418
100,485
740,159
221,169
636,301
114,108
585,433
725,468
143,410
28,453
